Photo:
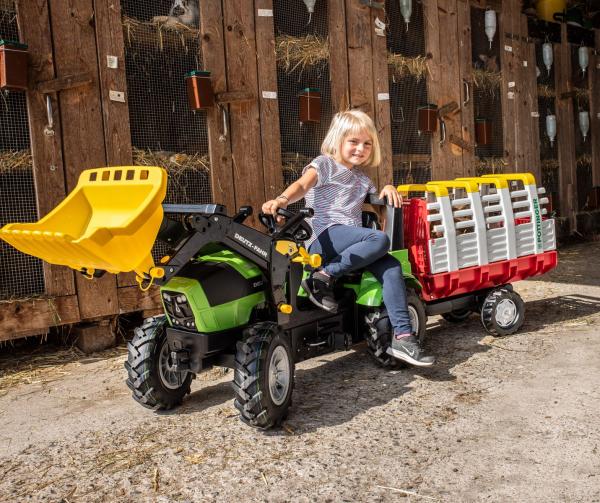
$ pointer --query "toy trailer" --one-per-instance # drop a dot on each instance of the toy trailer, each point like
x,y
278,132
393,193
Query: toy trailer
x,y
232,296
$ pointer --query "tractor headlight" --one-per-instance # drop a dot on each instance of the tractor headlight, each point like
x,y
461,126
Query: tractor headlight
x,y
178,310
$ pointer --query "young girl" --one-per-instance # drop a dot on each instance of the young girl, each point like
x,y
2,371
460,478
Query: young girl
x,y
335,187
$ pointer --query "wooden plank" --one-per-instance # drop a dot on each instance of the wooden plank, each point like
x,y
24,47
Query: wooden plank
x,y
381,99
48,167
132,299
213,59
117,131
242,75
566,132
400,158
360,63
338,55
269,107
594,84
23,318
508,90
466,77
82,125
530,125
446,160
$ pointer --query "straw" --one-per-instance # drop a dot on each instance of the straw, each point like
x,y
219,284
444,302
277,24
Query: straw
x,y
158,34
300,52
487,80
15,160
403,66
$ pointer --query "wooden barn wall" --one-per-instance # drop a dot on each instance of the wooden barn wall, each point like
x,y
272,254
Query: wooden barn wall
x,y
69,43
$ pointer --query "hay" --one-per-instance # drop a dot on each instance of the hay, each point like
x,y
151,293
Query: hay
x,y
174,163
486,80
299,52
293,163
550,164
156,34
490,165
582,96
545,91
584,161
403,66
15,160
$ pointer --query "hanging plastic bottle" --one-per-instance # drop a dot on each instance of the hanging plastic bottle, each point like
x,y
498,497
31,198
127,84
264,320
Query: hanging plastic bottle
x,y
406,10
547,56
584,123
584,58
490,25
310,7
551,128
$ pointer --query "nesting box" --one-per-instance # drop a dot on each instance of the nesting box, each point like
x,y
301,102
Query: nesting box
x,y
13,65
427,118
310,105
199,90
483,131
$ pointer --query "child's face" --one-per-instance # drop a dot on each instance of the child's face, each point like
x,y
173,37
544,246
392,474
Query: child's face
x,y
356,149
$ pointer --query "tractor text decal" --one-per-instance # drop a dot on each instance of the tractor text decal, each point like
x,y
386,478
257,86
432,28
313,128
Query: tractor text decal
x,y
538,222
250,245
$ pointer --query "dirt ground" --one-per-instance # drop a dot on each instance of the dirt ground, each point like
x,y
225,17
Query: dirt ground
x,y
508,419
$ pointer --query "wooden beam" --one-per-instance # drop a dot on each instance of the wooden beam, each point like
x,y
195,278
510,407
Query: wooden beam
x,y
82,125
131,299
566,132
338,55
22,318
594,85
240,43
68,82
466,76
360,62
508,91
48,166
530,132
444,84
269,105
115,114
213,59
381,98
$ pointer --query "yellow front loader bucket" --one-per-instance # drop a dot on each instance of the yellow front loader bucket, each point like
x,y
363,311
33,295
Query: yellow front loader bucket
x,y
109,222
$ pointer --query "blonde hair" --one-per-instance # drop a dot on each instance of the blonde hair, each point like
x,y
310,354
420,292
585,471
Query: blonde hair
x,y
344,124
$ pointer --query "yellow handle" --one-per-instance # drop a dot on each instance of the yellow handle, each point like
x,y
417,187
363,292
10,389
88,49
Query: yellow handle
x,y
155,272
306,258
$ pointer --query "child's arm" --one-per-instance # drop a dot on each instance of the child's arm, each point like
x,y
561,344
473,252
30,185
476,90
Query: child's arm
x,y
293,193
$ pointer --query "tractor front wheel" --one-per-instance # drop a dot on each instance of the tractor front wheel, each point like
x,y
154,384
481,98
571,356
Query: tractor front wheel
x,y
502,312
379,330
155,383
264,376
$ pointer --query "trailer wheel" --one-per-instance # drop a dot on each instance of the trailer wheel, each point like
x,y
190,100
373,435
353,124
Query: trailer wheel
x,y
264,376
457,316
379,330
502,312
155,384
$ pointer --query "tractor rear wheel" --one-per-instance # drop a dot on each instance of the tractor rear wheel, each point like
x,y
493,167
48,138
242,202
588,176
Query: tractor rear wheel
x,y
502,312
150,374
379,330
264,376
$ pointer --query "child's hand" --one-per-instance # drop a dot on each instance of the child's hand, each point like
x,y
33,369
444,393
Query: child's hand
x,y
271,207
392,195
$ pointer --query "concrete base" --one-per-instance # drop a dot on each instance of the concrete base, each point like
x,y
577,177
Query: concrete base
x,y
91,337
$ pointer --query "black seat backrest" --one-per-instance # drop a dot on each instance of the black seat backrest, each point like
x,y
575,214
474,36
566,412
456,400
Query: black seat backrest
x,y
394,227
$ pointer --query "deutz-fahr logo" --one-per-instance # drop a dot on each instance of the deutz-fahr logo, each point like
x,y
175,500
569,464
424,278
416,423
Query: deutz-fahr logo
x,y
250,244
538,222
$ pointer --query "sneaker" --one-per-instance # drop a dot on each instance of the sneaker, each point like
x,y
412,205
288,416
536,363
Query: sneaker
x,y
408,350
318,286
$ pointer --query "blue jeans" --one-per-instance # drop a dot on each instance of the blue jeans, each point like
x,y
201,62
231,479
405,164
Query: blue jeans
x,y
345,248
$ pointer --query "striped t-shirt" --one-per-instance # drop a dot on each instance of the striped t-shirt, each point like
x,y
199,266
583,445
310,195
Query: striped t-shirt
x,y
338,195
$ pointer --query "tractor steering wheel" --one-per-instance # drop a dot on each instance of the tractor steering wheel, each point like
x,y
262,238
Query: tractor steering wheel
x,y
294,227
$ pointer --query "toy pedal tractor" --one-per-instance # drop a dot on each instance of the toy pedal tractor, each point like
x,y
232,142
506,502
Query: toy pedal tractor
x,y
232,294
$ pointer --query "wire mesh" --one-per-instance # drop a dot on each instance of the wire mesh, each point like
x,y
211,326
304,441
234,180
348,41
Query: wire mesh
x,y
20,275
162,44
583,153
487,79
408,91
302,62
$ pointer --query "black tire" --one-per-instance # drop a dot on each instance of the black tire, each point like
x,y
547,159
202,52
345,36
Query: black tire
x,y
152,383
502,312
457,316
379,330
262,400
